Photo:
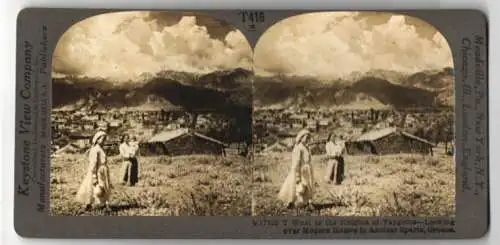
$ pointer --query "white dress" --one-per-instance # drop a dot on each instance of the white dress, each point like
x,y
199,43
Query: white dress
x,y
298,192
97,172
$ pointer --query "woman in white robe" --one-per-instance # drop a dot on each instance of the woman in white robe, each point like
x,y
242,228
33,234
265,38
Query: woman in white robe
x,y
299,186
95,188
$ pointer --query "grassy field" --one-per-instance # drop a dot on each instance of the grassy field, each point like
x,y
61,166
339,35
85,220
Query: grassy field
x,y
191,185
393,185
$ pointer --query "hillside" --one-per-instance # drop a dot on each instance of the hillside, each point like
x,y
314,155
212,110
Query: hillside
x,y
165,90
374,89
230,91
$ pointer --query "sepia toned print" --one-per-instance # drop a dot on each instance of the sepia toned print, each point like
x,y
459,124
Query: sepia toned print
x,y
353,116
151,116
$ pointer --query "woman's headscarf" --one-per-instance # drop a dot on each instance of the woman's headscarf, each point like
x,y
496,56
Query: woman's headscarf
x,y
97,136
124,136
301,135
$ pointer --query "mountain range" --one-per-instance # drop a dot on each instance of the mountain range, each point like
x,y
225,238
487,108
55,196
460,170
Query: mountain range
x,y
374,89
231,91
165,90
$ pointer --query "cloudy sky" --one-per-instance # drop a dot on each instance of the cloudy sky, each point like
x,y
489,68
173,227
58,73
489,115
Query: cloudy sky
x,y
338,43
121,46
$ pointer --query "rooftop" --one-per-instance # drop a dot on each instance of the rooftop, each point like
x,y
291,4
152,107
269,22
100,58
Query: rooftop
x,y
172,134
376,134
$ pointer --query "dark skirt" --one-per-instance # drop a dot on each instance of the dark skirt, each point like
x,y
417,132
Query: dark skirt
x,y
131,173
340,172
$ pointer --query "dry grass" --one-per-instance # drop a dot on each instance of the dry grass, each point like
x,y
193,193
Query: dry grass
x,y
191,185
393,185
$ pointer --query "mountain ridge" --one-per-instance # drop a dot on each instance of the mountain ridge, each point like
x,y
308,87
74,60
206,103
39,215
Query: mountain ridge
x,y
239,89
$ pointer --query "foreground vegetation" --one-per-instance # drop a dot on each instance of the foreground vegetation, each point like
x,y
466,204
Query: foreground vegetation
x,y
393,185
179,186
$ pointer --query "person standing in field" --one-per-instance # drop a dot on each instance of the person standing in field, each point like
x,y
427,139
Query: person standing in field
x,y
334,153
135,150
135,145
130,166
96,185
299,186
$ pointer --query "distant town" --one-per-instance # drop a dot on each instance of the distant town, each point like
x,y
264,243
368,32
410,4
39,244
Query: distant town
x,y
272,125
77,127
269,125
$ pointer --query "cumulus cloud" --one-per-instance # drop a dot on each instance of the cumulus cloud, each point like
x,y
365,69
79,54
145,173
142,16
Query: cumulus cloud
x,y
335,44
122,46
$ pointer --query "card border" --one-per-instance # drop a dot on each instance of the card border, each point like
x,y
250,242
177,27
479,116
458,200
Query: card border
x,y
472,219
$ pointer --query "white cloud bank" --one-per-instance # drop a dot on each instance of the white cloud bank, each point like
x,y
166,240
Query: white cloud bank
x,y
121,46
336,44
